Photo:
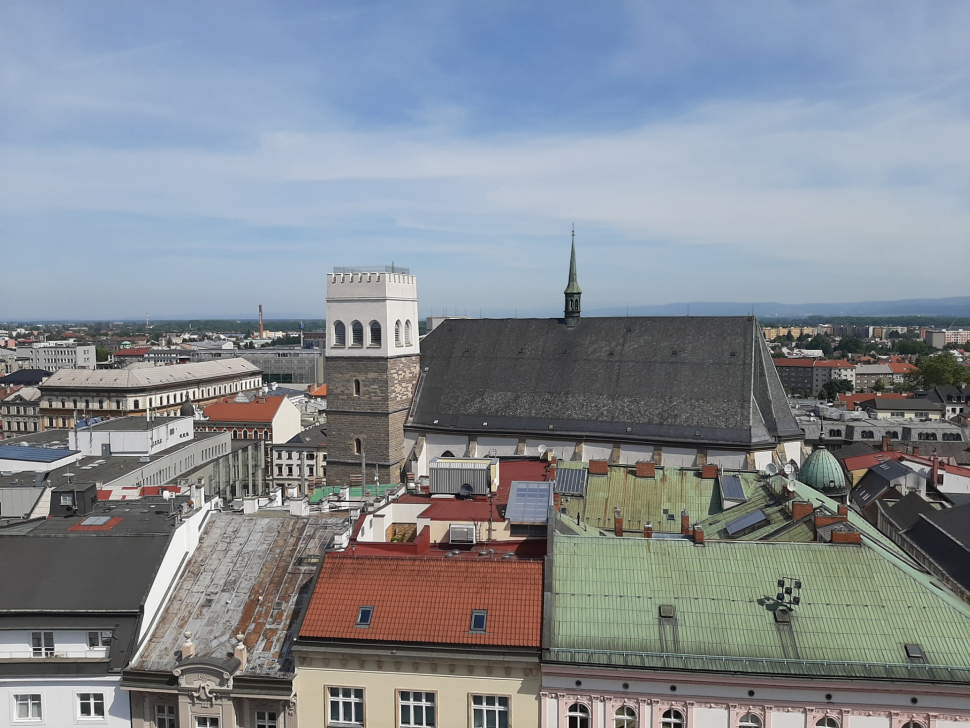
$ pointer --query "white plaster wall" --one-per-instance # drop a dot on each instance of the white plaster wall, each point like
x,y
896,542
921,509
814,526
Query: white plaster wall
x,y
21,466
436,443
762,458
59,701
730,459
632,454
679,457
787,720
383,297
69,643
561,448
503,446
286,423
710,718
377,523
597,451
793,451
868,721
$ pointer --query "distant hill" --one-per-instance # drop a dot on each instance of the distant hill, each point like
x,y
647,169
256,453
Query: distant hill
x,y
957,307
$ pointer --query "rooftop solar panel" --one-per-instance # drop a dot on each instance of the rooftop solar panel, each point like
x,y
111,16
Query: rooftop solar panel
x,y
33,454
731,488
528,502
571,481
746,521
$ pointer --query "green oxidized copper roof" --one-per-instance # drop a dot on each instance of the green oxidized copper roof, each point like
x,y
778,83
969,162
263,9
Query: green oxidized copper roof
x,y
860,607
573,285
822,471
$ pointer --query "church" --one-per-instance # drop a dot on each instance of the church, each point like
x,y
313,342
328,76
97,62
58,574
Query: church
x,y
675,391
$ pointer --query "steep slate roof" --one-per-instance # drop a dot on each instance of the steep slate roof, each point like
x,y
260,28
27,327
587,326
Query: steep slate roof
x,y
26,377
148,377
428,601
945,537
706,380
856,614
245,567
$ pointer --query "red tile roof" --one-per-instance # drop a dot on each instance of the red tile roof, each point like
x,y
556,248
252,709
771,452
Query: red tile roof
x,y
139,351
901,367
261,410
864,462
428,601
320,391
851,400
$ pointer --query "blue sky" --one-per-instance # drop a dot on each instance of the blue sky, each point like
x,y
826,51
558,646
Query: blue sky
x,y
200,158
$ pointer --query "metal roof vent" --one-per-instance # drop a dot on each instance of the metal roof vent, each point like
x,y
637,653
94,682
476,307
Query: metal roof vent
x,y
783,616
668,611
914,653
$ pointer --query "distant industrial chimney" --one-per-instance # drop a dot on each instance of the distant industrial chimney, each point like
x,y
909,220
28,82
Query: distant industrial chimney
x,y
261,321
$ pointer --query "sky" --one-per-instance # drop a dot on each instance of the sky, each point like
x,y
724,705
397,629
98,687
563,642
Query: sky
x,y
191,159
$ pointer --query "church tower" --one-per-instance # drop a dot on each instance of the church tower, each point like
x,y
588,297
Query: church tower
x,y
573,292
372,361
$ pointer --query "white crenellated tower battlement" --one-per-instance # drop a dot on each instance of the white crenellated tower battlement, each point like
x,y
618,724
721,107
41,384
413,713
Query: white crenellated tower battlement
x,y
372,312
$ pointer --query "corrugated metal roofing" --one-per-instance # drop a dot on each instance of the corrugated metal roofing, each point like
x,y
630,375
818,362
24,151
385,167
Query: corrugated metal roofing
x,y
529,502
859,607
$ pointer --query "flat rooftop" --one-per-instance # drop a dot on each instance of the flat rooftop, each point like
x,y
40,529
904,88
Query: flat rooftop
x,y
33,454
131,424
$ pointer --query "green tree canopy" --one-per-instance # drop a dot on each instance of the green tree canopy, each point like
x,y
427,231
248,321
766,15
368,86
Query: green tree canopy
x,y
942,370
834,387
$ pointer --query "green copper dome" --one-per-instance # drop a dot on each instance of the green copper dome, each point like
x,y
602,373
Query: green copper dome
x,y
822,471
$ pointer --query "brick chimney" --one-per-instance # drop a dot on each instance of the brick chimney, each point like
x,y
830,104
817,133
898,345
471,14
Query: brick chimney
x,y
800,509
915,450
646,469
935,470
885,443
617,521
648,529
699,534
709,472
846,537
599,467
684,523
240,652
843,509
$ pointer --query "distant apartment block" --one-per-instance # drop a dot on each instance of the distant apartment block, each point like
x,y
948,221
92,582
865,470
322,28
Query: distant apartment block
x,y
810,375
54,355
941,337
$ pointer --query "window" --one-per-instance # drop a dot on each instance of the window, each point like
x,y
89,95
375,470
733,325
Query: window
x,y
347,705
827,722
358,446
868,435
206,721
90,705
835,433
407,333
577,716
266,719
397,334
364,616
28,707
339,334
625,717
892,434
99,639
897,414
356,387
66,499
356,334
672,718
749,720
912,724
490,711
951,437
375,333
417,709
165,716
922,415
479,617
42,644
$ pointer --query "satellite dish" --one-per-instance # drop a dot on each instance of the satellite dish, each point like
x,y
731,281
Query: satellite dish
x,y
542,449
789,468
791,486
771,469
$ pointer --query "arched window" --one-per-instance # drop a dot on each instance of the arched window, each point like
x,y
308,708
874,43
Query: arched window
x,y
913,724
867,435
397,334
750,720
375,333
672,718
339,334
577,716
827,722
625,717
358,446
235,434
447,454
407,333
892,434
356,334
356,387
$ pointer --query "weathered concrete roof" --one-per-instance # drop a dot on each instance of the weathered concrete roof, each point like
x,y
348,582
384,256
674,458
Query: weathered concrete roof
x,y
148,377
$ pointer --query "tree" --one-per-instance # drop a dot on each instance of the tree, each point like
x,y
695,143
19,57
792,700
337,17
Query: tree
x,y
101,353
820,342
908,346
834,387
942,370
879,386
852,345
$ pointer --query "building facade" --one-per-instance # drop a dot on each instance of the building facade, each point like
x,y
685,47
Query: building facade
x,y
54,355
21,412
372,368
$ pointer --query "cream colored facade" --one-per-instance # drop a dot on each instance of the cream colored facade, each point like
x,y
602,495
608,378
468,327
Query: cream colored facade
x,y
454,676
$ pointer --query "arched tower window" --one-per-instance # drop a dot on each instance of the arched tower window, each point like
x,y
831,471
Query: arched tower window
x,y
827,722
625,717
358,446
356,387
749,720
397,334
339,334
357,334
672,718
375,333
577,716
407,333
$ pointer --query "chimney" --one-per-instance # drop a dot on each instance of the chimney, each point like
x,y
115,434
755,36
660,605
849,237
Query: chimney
x,y
261,321
599,467
240,652
846,537
885,443
648,529
699,534
934,470
709,472
843,509
915,450
646,469
617,521
684,522
188,649
800,509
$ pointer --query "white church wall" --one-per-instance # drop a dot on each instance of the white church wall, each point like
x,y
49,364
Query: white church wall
x,y
679,457
597,451
632,454
561,449
730,459
502,446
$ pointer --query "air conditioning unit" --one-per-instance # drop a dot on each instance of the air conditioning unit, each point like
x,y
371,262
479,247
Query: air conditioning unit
x,y
461,534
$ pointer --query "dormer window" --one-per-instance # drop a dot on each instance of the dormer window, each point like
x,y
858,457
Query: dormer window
x,y
479,619
364,616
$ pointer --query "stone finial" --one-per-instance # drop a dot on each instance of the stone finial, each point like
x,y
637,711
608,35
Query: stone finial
x,y
188,648
240,652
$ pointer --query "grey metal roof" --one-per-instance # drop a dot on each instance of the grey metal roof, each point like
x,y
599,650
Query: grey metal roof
x,y
571,481
33,454
705,380
529,502
746,521
149,377
26,376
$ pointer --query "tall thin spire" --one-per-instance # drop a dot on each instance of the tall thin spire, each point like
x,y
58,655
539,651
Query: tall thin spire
x,y
573,292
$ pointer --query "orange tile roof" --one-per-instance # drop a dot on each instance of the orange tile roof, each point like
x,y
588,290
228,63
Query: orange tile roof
x,y
259,410
428,601
901,367
320,391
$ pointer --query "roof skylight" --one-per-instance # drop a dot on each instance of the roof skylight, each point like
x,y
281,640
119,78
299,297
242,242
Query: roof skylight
x,y
479,618
364,616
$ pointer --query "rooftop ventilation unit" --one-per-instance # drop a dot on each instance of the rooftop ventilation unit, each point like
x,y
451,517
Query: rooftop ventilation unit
x,y
461,533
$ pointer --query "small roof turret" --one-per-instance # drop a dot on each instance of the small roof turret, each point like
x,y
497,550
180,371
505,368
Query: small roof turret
x,y
822,472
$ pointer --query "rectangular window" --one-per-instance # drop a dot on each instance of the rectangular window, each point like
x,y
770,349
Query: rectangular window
x,y
98,639
490,711
265,719
90,705
417,709
364,616
66,499
165,716
206,721
347,705
28,707
42,644
479,617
